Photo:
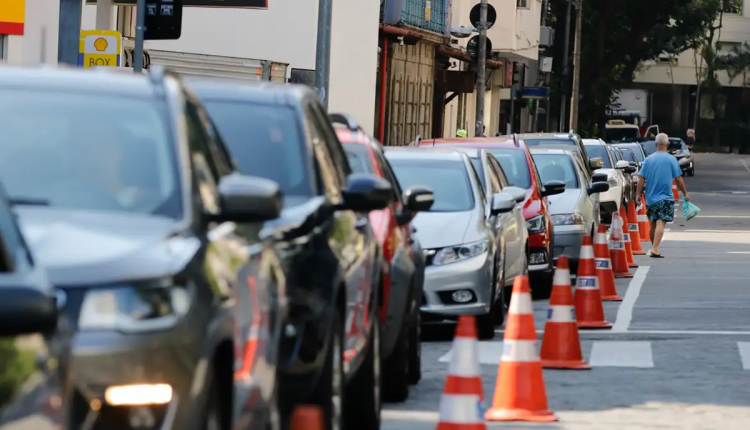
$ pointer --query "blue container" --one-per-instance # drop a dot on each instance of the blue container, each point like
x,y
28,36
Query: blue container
x,y
413,13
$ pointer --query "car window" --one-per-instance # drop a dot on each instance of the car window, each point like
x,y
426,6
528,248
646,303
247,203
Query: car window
x,y
495,185
264,141
495,165
545,142
477,164
206,172
482,194
331,141
385,167
649,147
359,158
557,167
448,180
329,180
90,152
515,166
601,152
11,241
583,173
627,154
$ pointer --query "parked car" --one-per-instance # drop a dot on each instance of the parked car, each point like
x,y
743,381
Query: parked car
x,y
649,147
679,149
513,238
630,187
518,166
334,266
34,340
130,203
612,172
575,212
554,139
403,282
464,263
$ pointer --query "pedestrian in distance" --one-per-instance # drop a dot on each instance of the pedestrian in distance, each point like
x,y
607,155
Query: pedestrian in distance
x,y
690,139
461,133
656,176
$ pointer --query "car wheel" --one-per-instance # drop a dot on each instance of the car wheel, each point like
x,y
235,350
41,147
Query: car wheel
x,y
415,347
500,302
691,172
364,390
329,394
396,370
486,322
212,411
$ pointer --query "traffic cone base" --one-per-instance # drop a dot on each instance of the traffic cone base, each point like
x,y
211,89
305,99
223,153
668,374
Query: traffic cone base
x,y
563,348
520,374
465,412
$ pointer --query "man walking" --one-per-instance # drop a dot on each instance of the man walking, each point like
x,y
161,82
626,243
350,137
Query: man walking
x,y
656,175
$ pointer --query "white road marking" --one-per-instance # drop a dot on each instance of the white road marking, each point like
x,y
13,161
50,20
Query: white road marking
x,y
666,230
739,192
725,216
657,332
625,312
410,415
744,348
622,354
738,252
745,164
489,353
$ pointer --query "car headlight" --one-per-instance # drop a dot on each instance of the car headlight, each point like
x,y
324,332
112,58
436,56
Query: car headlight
x,y
144,306
536,224
567,219
612,182
451,254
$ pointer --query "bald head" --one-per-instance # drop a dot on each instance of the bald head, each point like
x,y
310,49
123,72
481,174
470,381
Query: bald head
x,y
662,141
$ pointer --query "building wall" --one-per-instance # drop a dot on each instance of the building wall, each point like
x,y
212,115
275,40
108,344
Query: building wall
x,y
39,42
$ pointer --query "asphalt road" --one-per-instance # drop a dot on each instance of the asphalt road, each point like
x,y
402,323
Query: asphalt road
x,y
679,354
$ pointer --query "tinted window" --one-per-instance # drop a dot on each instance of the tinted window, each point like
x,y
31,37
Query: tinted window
x,y
447,179
627,154
556,167
649,147
515,166
620,134
543,142
359,158
477,163
601,152
676,145
90,152
264,141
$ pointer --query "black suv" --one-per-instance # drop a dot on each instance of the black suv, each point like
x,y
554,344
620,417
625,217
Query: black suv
x,y
332,260
135,209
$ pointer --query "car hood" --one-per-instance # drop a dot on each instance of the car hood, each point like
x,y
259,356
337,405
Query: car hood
x,y
441,229
565,202
609,172
80,248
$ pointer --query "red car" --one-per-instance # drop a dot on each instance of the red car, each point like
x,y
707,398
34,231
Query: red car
x,y
404,280
521,172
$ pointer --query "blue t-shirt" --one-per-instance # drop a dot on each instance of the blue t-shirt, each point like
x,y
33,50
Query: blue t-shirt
x,y
659,170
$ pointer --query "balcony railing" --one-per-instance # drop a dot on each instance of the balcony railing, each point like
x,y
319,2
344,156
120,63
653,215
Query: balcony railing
x,y
429,15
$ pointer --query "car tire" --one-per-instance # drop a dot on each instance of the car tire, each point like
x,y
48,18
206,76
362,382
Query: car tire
x,y
211,417
329,393
364,394
691,172
486,323
500,302
396,370
415,347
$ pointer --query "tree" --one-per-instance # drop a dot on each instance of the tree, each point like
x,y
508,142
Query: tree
x,y
619,36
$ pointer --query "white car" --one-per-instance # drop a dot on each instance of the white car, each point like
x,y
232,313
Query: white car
x,y
612,199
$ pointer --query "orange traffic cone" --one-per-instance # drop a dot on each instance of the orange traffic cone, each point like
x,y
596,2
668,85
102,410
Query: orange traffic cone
x,y
635,236
604,267
675,194
461,402
307,417
644,226
626,238
589,308
617,249
519,389
561,345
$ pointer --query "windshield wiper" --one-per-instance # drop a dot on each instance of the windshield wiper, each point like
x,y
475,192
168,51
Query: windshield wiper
x,y
28,201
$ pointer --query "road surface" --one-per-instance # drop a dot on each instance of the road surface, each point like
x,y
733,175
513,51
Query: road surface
x,y
679,354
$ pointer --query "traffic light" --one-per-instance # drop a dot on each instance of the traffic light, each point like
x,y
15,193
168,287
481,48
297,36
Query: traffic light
x,y
163,19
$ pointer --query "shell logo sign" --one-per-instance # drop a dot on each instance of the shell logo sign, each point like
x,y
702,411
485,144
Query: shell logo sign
x,y
12,14
99,48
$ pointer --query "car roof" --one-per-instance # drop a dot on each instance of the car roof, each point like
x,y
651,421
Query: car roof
x,y
550,151
75,79
471,151
593,142
258,91
414,153
474,142
563,147
546,135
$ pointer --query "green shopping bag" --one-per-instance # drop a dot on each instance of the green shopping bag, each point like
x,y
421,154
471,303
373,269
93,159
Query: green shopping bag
x,y
689,210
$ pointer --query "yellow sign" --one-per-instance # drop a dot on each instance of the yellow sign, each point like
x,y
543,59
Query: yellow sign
x,y
12,14
99,48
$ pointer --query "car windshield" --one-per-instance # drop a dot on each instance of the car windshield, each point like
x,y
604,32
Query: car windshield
x,y
448,179
557,167
619,134
544,142
601,152
359,158
627,154
87,151
676,145
264,141
515,166
637,151
649,147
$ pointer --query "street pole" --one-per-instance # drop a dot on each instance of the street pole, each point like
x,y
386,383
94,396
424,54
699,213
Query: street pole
x,y
481,69
323,51
69,32
576,95
564,86
140,29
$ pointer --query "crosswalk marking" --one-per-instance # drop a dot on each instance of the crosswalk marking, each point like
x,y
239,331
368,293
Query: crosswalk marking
x,y
622,354
744,348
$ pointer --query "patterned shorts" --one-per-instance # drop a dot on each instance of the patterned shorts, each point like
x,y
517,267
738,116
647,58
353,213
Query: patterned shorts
x,y
661,211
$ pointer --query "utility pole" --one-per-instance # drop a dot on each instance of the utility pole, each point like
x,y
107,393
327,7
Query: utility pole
x,y
481,69
323,51
69,31
566,54
576,95
140,30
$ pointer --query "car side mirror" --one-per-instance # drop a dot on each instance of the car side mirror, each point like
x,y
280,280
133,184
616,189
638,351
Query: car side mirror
x,y
598,187
630,169
552,188
502,203
599,177
249,199
518,194
364,193
596,163
418,199
27,310
622,164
